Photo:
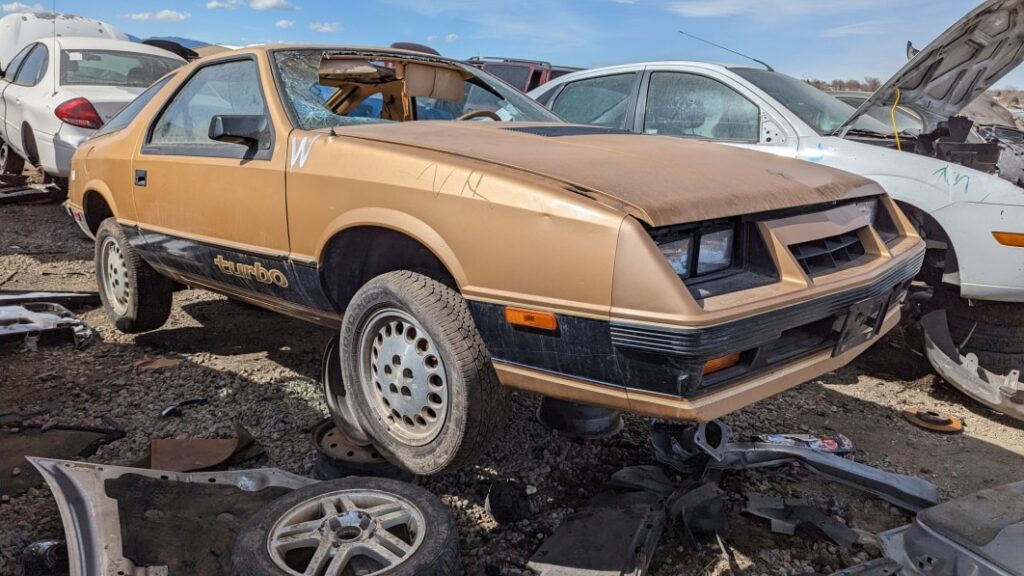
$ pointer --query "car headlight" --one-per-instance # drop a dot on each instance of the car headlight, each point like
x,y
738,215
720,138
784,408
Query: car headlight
x,y
869,208
715,251
678,255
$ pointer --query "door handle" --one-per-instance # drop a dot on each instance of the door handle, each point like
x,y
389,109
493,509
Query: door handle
x,y
140,178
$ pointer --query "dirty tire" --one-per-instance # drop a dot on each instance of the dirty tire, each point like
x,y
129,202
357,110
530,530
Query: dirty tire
x,y
477,405
147,303
996,329
436,555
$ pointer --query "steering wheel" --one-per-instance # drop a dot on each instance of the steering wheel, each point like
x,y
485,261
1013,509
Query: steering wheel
x,y
480,114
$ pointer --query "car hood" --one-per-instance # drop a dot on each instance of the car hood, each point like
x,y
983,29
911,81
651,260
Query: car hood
x,y
958,66
660,180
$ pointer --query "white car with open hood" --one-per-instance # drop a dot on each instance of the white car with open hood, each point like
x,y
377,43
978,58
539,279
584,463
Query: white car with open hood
x,y
972,218
57,91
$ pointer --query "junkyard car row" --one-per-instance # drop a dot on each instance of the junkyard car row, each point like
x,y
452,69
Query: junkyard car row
x,y
596,243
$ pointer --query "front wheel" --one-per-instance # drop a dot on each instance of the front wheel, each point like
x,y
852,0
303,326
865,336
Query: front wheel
x,y
424,388
136,298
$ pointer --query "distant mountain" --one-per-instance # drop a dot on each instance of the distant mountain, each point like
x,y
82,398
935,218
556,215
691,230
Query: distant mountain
x,y
186,42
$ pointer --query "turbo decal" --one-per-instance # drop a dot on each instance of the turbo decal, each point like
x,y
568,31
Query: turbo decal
x,y
255,272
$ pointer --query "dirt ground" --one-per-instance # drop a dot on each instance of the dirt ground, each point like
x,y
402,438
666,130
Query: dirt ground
x,y
261,370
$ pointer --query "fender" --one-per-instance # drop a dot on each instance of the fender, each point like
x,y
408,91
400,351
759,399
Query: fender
x,y
96,187
399,222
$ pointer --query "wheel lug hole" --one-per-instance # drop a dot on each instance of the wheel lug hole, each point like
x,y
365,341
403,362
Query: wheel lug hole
x,y
406,393
407,374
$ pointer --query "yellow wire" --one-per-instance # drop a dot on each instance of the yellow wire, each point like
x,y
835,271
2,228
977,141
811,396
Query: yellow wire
x,y
892,115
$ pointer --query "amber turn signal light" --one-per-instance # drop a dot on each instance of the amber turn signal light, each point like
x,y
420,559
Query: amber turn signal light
x,y
531,318
1009,239
719,364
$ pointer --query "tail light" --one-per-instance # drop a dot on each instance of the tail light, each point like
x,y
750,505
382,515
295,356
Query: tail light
x,y
79,112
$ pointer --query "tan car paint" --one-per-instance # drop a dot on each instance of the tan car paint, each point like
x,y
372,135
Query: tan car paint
x,y
515,219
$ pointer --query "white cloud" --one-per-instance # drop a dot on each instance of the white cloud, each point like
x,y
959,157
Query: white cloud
x,y
22,7
432,38
867,28
720,8
453,37
223,4
324,26
167,15
272,5
285,24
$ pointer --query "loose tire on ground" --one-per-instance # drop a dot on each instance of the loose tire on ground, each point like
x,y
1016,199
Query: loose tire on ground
x,y
994,331
136,298
350,516
442,364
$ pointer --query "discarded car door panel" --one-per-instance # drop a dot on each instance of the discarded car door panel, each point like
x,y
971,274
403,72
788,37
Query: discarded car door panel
x,y
683,290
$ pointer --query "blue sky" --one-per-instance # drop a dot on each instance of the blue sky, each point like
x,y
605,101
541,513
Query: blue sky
x,y
825,39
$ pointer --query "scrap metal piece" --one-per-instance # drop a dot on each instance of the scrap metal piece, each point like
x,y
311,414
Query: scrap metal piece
x,y
612,535
835,444
73,299
52,442
1002,393
193,454
93,524
174,409
981,534
649,478
787,516
679,444
579,420
50,323
907,492
930,420
45,557
700,508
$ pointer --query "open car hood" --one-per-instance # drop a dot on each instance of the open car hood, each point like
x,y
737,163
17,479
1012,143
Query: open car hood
x,y
958,66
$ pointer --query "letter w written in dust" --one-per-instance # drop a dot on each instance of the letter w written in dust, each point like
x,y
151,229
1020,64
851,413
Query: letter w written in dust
x,y
301,150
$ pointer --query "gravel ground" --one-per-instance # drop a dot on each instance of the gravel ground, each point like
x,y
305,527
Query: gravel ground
x,y
261,370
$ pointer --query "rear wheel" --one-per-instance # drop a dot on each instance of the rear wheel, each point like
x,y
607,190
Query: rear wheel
x,y
136,298
424,388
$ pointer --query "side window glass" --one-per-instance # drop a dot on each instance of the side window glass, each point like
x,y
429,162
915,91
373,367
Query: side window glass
x,y
32,70
232,88
600,101
695,106
12,67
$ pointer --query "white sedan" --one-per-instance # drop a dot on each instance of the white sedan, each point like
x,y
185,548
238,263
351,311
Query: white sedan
x,y
57,92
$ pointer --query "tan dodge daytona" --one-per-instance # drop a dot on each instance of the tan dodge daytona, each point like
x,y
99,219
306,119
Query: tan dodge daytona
x,y
464,241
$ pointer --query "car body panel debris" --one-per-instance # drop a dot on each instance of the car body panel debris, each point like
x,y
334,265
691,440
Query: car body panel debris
x,y
42,324
114,513
1002,393
612,535
981,534
174,408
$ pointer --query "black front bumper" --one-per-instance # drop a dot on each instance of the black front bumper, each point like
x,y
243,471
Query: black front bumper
x,y
671,360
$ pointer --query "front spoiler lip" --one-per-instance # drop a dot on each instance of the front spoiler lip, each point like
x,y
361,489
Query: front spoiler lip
x,y
91,520
1002,393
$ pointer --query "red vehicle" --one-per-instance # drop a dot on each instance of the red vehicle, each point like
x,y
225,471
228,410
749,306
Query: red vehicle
x,y
522,74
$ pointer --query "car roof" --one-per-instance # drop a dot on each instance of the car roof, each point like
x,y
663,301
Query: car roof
x,y
636,66
339,48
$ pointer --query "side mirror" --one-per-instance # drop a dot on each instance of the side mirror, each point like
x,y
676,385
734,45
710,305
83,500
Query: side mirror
x,y
238,129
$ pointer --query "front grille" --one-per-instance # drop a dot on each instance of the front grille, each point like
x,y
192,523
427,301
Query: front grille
x,y
826,255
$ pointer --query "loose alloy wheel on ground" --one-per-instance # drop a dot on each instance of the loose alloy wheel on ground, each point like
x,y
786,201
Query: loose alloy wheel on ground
x,y
350,526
